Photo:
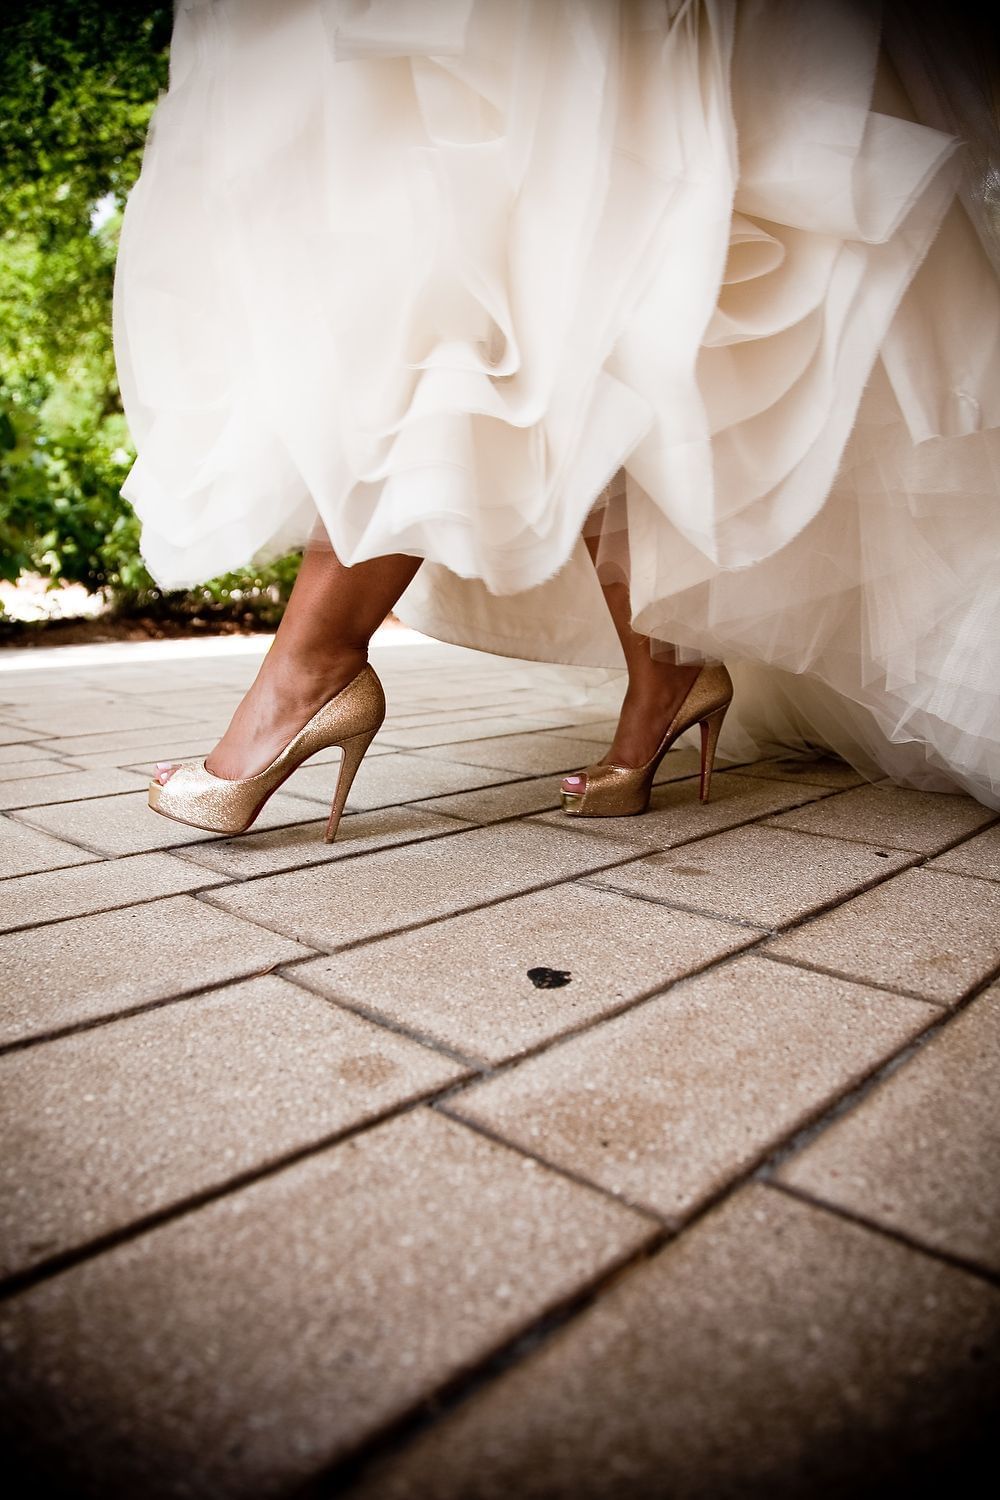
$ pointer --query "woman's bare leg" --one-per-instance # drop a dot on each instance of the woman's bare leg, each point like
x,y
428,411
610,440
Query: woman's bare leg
x,y
657,686
321,643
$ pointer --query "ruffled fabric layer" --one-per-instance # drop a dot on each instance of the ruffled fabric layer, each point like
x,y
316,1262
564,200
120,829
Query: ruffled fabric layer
x,y
465,279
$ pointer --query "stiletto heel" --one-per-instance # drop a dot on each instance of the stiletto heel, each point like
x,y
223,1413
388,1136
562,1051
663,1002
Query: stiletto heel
x,y
350,719
710,728
622,791
354,753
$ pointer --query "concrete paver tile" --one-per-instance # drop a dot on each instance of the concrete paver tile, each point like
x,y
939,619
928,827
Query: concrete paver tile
x,y
69,786
28,770
54,895
774,1350
936,935
919,1154
127,824
677,765
463,730
18,734
531,754
193,749
95,966
209,702
23,851
388,780
304,1311
66,717
302,844
332,753
979,856
668,1102
332,905
892,817
130,760
768,876
820,770
189,749
473,708
131,744
404,711
464,981
601,731
18,755
515,799
113,1124
511,799
676,815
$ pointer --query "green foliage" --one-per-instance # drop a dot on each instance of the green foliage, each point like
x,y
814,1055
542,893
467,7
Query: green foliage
x,y
78,83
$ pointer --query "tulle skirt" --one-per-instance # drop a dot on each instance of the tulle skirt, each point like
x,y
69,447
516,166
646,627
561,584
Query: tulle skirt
x,y
476,279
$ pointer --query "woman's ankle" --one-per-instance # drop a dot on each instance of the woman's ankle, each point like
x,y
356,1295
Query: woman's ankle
x,y
306,673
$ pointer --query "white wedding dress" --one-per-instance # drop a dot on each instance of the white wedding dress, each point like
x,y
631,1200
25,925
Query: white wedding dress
x,y
460,278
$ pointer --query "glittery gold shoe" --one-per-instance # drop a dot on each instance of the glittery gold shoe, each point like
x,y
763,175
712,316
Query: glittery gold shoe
x,y
350,719
622,791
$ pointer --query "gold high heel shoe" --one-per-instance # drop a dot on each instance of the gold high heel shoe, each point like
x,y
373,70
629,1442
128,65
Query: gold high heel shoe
x,y
350,719
621,791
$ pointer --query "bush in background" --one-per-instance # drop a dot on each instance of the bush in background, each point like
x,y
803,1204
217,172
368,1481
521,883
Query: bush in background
x,y
78,83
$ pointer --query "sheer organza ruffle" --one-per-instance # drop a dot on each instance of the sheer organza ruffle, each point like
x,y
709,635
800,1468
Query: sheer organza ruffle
x,y
471,279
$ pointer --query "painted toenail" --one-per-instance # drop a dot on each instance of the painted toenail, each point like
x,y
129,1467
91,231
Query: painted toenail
x,y
572,780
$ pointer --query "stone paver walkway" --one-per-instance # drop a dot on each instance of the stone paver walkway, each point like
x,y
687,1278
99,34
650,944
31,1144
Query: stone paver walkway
x,y
487,1153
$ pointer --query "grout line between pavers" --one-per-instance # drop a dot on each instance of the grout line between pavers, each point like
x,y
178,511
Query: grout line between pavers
x,y
755,1169
439,1104
424,800
589,882
44,735
100,911
872,984
583,879
855,978
961,874
55,1265
772,1156
527,818
528,1339
423,836
30,807
432,921
781,929
857,787
889,1232
222,881
770,820
74,840
847,1102
287,971
491,1069
54,869
95,1023
436,1405
338,1477
519,1341
204,893
432,1408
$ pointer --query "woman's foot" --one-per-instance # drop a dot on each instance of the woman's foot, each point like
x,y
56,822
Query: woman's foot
x,y
656,690
286,692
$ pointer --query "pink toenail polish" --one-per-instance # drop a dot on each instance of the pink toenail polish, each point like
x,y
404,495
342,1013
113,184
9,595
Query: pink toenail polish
x,y
572,780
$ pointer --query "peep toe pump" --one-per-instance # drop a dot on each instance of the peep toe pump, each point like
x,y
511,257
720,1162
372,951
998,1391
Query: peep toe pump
x,y
621,791
350,719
